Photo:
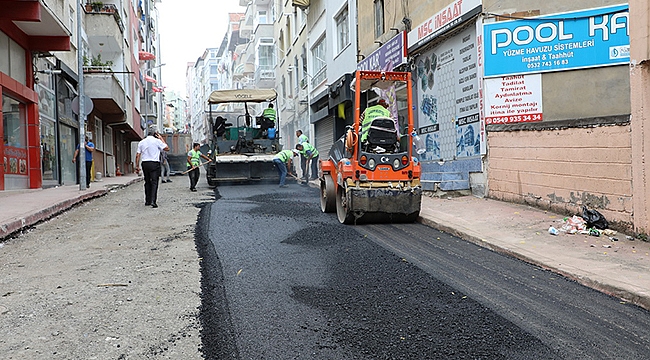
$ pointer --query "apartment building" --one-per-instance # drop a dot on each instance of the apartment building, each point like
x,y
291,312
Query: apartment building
x,y
216,69
118,45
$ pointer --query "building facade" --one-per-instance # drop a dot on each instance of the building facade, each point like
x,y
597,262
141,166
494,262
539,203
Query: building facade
x,y
28,35
118,43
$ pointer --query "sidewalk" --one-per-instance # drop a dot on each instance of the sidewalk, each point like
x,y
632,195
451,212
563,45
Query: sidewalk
x,y
620,268
23,208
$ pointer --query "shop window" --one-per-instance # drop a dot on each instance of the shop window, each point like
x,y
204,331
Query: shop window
x,y
14,136
13,120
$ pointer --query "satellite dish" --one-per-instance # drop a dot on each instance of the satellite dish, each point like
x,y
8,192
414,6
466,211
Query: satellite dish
x,y
88,105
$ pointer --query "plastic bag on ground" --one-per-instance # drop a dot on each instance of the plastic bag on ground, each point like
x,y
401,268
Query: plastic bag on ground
x,y
594,218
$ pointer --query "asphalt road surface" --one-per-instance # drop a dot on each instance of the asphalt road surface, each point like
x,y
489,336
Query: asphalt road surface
x,y
281,280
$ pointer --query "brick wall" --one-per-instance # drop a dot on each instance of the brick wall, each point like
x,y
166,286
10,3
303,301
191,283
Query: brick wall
x,y
563,169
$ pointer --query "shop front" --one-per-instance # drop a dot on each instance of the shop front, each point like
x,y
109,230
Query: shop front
x,y
27,148
444,55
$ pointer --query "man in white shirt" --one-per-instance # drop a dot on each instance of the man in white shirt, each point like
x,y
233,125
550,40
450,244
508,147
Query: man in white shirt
x,y
149,150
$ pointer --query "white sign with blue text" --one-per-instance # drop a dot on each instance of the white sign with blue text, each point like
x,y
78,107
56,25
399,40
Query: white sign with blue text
x,y
582,39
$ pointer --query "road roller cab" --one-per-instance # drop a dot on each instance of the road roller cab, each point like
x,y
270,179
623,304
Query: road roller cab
x,y
371,173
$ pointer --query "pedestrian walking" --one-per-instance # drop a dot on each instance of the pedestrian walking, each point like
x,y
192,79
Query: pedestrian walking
x,y
309,152
193,162
303,161
149,150
90,148
164,167
282,161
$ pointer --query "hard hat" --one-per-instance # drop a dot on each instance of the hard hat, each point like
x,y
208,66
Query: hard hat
x,y
295,152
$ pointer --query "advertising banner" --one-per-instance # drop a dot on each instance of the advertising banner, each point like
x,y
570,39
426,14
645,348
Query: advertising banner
x,y
513,99
574,40
448,98
389,56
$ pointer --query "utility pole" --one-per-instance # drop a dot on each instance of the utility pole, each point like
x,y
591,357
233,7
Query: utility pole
x,y
82,103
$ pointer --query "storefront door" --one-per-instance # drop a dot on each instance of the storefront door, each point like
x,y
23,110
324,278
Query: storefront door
x,y
68,168
14,136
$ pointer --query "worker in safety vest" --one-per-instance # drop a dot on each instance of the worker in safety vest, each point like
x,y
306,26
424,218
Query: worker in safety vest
x,y
282,161
309,152
269,113
193,162
370,114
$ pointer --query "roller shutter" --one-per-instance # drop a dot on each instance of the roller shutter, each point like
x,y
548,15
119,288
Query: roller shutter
x,y
324,130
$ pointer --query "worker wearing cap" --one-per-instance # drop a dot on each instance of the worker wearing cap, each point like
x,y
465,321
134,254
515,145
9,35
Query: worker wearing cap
x,y
370,114
282,161
309,152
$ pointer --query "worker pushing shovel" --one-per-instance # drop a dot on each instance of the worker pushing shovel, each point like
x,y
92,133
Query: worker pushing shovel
x,y
193,163
195,167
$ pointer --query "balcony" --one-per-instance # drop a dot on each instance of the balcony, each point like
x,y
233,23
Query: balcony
x,y
264,31
265,76
105,29
106,91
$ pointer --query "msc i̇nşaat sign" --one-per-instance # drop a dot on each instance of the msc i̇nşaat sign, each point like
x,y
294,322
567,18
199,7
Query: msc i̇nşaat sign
x,y
451,16
574,40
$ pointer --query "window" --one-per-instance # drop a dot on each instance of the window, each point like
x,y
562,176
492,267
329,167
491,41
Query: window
x,y
99,134
303,58
379,18
318,62
73,28
342,29
265,54
262,18
289,34
213,70
281,45
14,123
295,72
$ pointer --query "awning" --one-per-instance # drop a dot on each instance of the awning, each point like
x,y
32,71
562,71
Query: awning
x,y
242,95
150,79
143,55
157,89
303,4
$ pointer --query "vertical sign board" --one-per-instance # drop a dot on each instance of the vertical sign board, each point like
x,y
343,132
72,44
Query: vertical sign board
x,y
448,98
575,40
513,99
481,88
447,84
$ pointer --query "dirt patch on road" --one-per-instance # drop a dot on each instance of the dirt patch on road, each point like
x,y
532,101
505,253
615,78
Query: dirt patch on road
x,y
109,279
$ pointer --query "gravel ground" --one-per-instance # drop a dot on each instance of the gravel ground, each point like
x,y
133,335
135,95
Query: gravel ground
x,y
108,279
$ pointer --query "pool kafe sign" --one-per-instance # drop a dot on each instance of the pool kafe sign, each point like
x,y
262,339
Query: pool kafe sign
x,y
574,40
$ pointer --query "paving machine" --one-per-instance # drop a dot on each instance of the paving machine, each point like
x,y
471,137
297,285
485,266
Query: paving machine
x,y
377,179
244,152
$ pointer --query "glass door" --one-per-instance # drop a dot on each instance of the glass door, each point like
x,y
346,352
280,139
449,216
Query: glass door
x,y
68,143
